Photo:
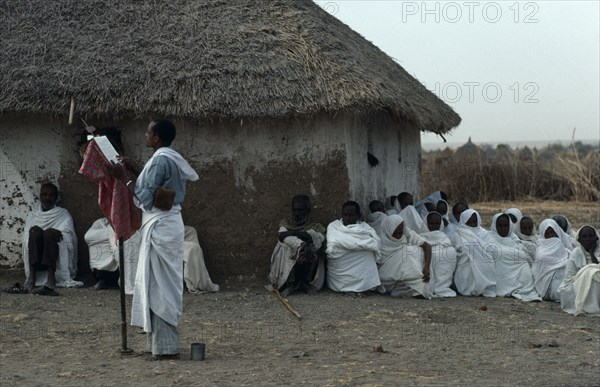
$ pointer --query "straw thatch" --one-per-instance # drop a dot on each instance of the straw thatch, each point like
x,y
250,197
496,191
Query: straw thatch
x,y
200,59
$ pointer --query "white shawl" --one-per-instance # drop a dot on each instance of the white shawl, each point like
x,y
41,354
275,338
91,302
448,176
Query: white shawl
x,y
376,220
351,255
580,289
443,261
413,220
66,265
550,260
475,272
513,273
401,259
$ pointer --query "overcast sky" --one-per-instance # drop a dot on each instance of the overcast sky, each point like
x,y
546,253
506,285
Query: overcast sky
x,y
514,71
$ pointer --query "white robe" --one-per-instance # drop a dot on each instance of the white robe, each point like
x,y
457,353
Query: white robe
x,y
413,220
513,273
66,266
580,289
376,220
195,274
550,260
104,251
351,254
529,242
104,255
475,273
443,263
159,277
284,258
401,261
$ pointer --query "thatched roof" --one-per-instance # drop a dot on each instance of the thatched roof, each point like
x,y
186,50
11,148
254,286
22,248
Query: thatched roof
x,y
200,58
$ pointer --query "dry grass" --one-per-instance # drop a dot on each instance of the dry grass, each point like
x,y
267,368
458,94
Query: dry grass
x,y
477,176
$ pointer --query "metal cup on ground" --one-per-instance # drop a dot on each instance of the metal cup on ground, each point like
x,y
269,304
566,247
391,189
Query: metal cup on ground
x,y
197,351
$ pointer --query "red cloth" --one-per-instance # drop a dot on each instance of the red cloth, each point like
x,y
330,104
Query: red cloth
x,y
115,200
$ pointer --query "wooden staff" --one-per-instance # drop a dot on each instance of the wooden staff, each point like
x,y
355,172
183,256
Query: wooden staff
x,y
287,305
124,348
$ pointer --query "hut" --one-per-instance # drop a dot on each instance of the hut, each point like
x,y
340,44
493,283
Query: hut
x,y
270,99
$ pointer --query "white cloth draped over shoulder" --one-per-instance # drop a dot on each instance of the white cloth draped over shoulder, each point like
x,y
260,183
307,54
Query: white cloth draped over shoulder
x,y
514,212
550,260
413,220
284,258
401,260
475,273
580,289
375,220
443,262
529,241
351,255
104,255
195,274
159,277
432,198
513,273
104,251
66,266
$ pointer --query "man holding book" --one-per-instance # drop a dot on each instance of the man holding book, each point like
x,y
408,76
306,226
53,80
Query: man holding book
x,y
159,191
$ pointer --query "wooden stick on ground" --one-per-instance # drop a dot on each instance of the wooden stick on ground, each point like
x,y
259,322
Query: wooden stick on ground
x,y
287,305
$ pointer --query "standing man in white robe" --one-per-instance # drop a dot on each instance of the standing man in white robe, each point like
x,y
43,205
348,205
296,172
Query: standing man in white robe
x,y
158,291
352,250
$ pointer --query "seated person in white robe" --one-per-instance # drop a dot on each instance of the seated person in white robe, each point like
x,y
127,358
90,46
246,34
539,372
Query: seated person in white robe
x,y
398,203
524,231
514,214
443,257
475,273
296,264
104,259
376,215
104,256
513,273
49,245
550,260
580,289
443,209
429,203
352,251
390,205
454,220
411,216
405,259
565,225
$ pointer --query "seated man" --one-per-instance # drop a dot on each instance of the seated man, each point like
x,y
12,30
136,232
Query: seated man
x,y
104,259
352,251
49,245
411,216
376,215
104,255
295,262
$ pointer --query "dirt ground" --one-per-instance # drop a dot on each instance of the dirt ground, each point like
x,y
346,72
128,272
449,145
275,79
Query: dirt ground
x,y
251,339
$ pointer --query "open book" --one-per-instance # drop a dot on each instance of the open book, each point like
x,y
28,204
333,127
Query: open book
x,y
107,148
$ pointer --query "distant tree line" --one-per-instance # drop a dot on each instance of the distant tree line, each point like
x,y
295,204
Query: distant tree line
x,y
483,173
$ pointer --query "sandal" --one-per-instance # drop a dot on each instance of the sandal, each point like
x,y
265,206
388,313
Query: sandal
x,y
16,289
44,291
